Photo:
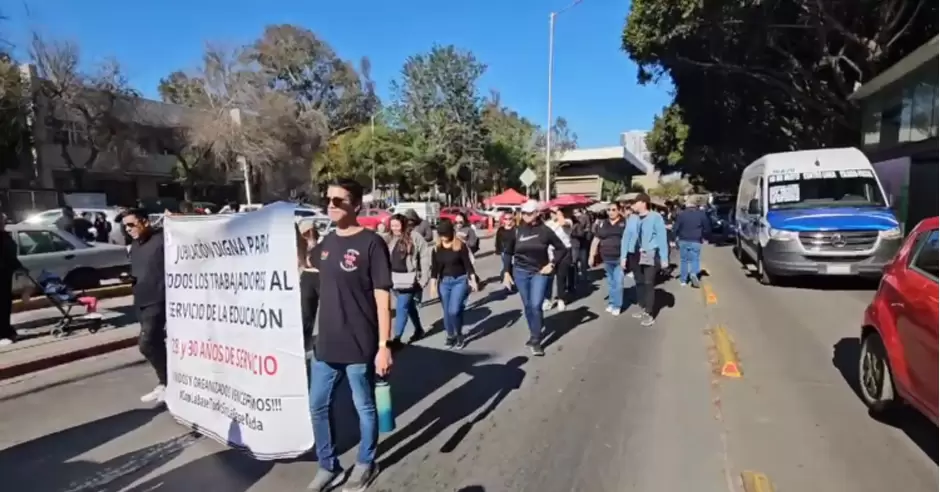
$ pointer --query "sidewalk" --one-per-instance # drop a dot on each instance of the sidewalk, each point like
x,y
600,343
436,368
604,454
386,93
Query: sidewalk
x,y
37,350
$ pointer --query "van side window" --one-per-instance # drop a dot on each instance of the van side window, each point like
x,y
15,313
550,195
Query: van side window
x,y
760,193
925,258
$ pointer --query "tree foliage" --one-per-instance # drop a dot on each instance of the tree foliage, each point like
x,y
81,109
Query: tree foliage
x,y
757,77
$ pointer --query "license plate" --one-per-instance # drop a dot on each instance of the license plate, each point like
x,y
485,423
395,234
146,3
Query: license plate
x,y
839,269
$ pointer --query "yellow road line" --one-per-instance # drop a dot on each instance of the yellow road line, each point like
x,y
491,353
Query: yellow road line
x,y
728,358
709,293
756,482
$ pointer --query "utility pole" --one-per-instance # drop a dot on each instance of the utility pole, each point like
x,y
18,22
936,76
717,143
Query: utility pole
x,y
551,74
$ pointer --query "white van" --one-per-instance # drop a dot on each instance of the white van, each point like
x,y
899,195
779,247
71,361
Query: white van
x,y
814,212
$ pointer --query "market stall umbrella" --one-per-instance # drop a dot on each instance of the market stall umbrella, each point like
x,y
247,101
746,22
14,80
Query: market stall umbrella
x,y
569,201
508,197
598,207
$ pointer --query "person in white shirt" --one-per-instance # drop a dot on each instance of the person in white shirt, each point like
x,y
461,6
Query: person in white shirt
x,y
560,224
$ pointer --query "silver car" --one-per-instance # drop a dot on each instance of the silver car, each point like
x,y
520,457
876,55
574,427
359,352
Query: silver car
x,y
81,265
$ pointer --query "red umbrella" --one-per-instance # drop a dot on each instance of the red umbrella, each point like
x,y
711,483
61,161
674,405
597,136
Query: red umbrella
x,y
569,201
508,197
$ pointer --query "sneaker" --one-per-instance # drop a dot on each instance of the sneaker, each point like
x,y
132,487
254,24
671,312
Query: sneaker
x,y
361,477
561,306
6,341
536,349
609,309
546,305
325,480
450,342
155,396
682,284
694,281
638,315
459,343
648,321
614,311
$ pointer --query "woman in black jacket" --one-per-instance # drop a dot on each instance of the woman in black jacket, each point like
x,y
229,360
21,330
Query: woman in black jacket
x,y
505,243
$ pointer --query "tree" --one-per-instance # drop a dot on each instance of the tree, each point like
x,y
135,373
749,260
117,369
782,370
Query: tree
x,y
238,112
15,137
510,147
96,109
437,101
754,78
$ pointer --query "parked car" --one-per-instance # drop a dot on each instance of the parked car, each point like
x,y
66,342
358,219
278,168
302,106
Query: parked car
x,y
476,218
79,264
374,218
48,217
898,356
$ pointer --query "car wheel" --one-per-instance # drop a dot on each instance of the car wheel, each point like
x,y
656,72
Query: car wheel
x,y
82,279
763,275
875,378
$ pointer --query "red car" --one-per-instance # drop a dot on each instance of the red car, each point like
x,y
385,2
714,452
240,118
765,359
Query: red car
x,y
898,356
478,219
374,218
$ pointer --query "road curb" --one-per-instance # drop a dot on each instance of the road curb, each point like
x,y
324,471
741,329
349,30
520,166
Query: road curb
x,y
50,361
40,302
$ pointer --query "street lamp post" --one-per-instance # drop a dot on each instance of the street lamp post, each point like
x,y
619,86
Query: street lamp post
x,y
551,74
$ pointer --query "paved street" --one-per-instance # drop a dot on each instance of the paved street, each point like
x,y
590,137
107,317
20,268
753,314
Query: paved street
x,y
612,407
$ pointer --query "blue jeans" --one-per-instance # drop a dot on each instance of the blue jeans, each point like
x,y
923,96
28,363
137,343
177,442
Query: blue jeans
x,y
406,307
454,292
690,253
323,379
532,287
614,275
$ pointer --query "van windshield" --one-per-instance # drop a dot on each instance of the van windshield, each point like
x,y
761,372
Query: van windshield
x,y
848,188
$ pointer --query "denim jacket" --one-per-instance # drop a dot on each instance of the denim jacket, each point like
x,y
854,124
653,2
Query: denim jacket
x,y
653,230
630,235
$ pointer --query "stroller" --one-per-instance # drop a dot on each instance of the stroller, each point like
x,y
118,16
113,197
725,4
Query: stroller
x,y
65,300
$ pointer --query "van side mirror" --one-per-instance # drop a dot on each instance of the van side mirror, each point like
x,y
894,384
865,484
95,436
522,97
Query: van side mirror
x,y
753,207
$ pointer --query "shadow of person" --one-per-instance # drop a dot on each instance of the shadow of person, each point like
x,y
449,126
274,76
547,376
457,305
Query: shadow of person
x,y
493,323
224,471
471,315
46,457
489,382
919,429
559,324
472,488
418,372
662,299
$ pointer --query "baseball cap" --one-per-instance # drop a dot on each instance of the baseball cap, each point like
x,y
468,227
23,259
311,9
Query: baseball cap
x,y
529,207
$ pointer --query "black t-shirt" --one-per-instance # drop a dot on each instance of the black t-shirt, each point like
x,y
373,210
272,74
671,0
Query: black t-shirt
x,y
609,236
399,260
449,263
530,252
351,268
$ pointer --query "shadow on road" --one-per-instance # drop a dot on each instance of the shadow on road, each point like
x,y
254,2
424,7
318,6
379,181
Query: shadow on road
x,y
224,471
560,324
918,428
494,323
48,462
489,383
472,488
471,316
418,372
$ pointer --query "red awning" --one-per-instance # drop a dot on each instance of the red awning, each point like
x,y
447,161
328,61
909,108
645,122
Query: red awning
x,y
569,201
508,197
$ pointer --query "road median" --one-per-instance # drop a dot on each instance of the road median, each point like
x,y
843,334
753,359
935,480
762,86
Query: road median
x,y
26,357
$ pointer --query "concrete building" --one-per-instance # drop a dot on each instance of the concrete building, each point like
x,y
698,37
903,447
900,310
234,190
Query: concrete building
x,y
145,173
635,142
899,131
583,171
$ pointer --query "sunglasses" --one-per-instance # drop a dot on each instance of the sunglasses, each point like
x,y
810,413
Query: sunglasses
x,y
130,225
336,201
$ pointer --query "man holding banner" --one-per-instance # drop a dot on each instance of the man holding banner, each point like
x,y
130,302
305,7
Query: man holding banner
x,y
354,331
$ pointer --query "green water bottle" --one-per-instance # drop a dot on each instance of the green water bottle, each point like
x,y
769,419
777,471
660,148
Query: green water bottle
x,y
383,406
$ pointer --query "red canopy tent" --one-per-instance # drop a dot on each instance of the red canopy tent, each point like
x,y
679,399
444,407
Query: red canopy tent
x,y
569,201
508,197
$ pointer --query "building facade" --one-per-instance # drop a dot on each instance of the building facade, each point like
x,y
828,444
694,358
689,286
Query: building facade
x,y
899,132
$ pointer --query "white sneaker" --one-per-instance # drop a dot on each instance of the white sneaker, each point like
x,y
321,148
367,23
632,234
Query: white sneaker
x,y
609,309
630,274
546,305
156,396
560,306
5,341
614,311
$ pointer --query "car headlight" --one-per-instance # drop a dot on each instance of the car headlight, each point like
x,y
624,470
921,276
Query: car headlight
x,y
780,235
893,233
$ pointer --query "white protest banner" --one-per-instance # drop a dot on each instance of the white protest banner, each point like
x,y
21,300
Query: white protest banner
x,y
234,339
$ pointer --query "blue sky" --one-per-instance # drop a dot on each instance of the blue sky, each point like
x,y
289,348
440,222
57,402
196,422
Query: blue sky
x,y
594,87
